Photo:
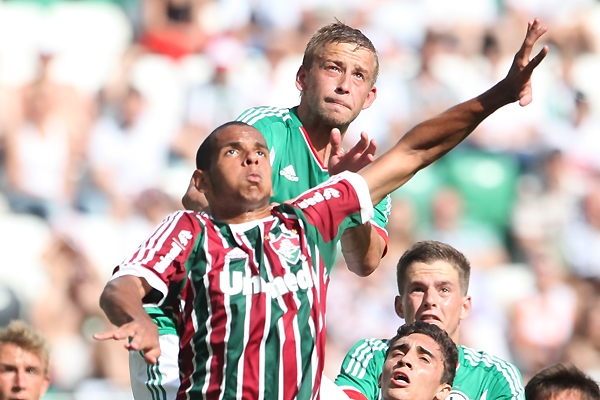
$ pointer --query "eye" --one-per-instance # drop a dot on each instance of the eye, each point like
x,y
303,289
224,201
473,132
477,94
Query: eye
x,y
445,290
261,153
31,371
360,76
424,359
231,152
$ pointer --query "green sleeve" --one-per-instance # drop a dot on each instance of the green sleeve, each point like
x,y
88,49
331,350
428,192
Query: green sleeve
x,y
382,212
362,366
508,385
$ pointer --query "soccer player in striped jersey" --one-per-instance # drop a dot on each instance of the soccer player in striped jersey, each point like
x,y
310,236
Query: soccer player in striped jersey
x,y
433,281
337,85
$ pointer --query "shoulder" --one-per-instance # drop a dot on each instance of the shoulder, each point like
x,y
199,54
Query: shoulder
x,y
488,363
264,115
368,347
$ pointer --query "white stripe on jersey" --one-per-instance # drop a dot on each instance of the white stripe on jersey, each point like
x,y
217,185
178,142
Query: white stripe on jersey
x,y
263,112
508,370
362,356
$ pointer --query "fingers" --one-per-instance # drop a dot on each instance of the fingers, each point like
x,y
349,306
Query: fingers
x,y
534,31
336,140
115,334
151,356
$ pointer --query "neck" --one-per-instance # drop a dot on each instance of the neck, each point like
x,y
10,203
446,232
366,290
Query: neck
x,y
318,131
230,216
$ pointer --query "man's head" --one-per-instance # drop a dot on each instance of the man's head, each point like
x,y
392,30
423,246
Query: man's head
x,y
337,76
562,382
24,357
233,170
420,364
433,280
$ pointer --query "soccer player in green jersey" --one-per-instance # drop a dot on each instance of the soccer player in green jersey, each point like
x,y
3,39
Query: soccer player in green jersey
x,y
337,81
420,364
433,281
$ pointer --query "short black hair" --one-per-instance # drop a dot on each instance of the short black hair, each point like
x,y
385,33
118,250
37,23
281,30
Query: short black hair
x,y
441,337
430,251
560,378
207,148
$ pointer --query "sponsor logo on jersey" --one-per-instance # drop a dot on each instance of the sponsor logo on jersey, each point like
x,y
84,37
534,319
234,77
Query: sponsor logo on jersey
x,y
457,395
177,245
317,197
287,245
236,282
289,173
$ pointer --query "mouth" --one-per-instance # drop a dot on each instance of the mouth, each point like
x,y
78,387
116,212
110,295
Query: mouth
x,y
255,178
399,378
337,103
429,318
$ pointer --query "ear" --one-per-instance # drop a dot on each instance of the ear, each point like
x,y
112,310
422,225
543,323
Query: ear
x,y
467,306
379,380
201,180
443,391
398,306
301,79
45,385
370,98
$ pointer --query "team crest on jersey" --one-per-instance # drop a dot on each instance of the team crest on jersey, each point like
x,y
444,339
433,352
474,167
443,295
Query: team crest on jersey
x,y
287,245
457,395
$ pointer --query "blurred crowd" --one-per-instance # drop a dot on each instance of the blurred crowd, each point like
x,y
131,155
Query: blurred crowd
x,y
104,103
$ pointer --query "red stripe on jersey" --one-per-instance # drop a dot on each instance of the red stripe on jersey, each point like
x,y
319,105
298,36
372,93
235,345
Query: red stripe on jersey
x,y
312,148
384,235
253,369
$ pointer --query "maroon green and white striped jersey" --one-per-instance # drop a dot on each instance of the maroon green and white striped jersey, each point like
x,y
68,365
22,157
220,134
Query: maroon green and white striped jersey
x,y
252,324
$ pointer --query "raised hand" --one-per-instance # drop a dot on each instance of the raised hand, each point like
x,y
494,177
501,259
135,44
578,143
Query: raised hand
x,y
355,159
139,337
518,79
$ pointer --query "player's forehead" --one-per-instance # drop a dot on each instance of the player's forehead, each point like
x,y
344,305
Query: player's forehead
x,y
239,134
418,342
350,53
434,271
12,354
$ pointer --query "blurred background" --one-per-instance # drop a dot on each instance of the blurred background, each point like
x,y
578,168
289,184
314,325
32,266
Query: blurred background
x,y
104,103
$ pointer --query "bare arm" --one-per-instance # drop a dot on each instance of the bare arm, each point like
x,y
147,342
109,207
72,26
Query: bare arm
x,y
433,138
121,301
362,248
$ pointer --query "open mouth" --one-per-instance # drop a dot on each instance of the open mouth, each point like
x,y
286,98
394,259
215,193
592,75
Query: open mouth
x,y
400,378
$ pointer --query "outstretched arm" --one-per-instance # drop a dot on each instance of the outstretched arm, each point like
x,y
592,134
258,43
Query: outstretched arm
x,y
433,138
121,300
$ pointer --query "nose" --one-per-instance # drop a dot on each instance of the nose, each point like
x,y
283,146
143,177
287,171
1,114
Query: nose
x,y
405,361
343,86
251,158
20,381
430,299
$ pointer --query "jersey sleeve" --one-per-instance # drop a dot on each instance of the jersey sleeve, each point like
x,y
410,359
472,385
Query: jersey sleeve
x,y
161,258
507,384
341,202
262,119
359,374
381,218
